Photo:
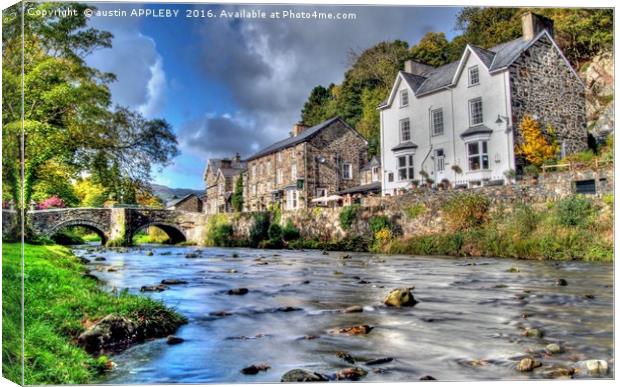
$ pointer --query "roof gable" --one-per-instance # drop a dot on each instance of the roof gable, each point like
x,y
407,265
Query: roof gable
x,y
495,59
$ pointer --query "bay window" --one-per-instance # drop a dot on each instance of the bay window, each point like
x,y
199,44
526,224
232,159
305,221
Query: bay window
x,y
478,155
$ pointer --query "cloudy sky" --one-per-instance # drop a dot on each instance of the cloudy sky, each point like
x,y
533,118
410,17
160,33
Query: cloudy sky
x,y
237,85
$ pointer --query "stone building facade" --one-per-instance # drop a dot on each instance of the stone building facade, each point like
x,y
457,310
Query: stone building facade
x,y
314,162
544,85
221,177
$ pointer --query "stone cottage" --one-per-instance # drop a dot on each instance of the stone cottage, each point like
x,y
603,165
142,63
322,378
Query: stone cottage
x,y
190,202
313,162
459,123
220,178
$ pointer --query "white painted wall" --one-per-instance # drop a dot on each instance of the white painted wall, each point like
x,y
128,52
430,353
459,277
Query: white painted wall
x,y
495,93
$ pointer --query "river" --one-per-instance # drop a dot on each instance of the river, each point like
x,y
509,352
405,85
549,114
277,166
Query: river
x,y
468,324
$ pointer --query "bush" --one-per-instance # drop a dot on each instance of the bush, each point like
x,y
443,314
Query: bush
x,y
260,229
348,215
465,211
223,235
274,232
214,229
415,210
379,222
290,232
574,210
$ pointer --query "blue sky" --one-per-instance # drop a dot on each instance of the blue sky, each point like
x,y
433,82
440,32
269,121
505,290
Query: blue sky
x,y
237,85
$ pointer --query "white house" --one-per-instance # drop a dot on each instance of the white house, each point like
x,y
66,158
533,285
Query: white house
x,y
459,122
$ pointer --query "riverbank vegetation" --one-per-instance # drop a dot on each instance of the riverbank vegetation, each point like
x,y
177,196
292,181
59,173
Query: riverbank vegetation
x,y
61,301
571,228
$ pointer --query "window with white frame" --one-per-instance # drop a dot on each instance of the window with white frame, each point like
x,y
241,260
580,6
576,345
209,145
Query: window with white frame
x,y
291,199
475,111
440,160
405,130
321,192
294,171
279,157
437,122
279,175
375,174
478,155
254,171
269,166
347,171
404,98
405,167
254,189
390,177
474,76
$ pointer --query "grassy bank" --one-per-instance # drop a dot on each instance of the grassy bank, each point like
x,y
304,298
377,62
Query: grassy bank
x,y
59,301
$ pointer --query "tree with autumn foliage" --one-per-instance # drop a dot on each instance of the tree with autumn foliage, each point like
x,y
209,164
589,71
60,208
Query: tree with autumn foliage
x,y
538,147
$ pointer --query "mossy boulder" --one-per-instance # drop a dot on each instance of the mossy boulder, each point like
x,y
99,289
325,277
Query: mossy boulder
x,y
400,297
111,333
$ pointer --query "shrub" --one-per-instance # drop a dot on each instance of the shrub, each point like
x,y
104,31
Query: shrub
x,y
348,215
379,222
274,232
464,211
260,228
222,235
290,232
531,170
609,200
213,229
51,202
415,210
574,210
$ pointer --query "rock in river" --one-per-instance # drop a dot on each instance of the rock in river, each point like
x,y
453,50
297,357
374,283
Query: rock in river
x,y
561,282
353,309
346,357
238,291
352,331
527,364
400,297
153,288
351,374
427,377
173,281
533,332
596,367
100,259
255,368
299,375
112,332
553,348
172,340
382,360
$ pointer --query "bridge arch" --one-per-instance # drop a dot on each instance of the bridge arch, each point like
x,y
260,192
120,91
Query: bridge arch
x,y
88,224
174,232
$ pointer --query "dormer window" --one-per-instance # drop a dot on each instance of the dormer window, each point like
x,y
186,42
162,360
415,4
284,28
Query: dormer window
x,y
474,76
404,98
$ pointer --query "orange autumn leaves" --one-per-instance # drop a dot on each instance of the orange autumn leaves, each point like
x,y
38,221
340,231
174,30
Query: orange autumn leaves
x,y
537,148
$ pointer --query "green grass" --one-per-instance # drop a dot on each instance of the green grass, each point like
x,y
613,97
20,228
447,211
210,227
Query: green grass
x,y
58,298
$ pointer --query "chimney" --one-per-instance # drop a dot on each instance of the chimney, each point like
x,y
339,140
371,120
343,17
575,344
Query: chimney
x,y
298,128
237,157
532,24
416,68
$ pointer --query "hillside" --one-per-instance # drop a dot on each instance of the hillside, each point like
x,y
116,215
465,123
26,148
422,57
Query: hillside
x,y
167,194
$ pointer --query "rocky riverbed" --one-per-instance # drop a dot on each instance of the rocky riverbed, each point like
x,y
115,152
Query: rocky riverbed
x,y
267,316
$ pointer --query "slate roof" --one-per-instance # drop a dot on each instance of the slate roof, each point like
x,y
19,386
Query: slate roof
x,y
290,141
372,187
480,129
405,145
174,202
494,58
229,172
374,162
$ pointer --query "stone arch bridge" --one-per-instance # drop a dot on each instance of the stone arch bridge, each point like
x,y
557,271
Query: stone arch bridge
x,y
120,224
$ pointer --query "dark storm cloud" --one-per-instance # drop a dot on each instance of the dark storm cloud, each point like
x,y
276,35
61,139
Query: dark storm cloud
x,y
270,66
218,136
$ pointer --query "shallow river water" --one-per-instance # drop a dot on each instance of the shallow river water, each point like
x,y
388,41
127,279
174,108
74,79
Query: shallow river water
x,y
468,324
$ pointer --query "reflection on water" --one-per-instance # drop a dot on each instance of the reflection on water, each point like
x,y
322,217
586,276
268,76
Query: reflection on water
x,y
468,310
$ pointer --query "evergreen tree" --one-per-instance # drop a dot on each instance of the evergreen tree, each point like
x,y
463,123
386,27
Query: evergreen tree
x,y
237,196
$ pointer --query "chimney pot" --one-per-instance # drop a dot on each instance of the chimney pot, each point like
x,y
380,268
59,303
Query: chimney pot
x,y
532,24
416,68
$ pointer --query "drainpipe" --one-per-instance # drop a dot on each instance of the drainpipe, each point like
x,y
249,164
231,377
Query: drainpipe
x,y
306,174
382,128
453,131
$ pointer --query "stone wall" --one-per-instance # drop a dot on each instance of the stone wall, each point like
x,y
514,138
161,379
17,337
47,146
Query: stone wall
x,y
324,223
10,226
543,84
